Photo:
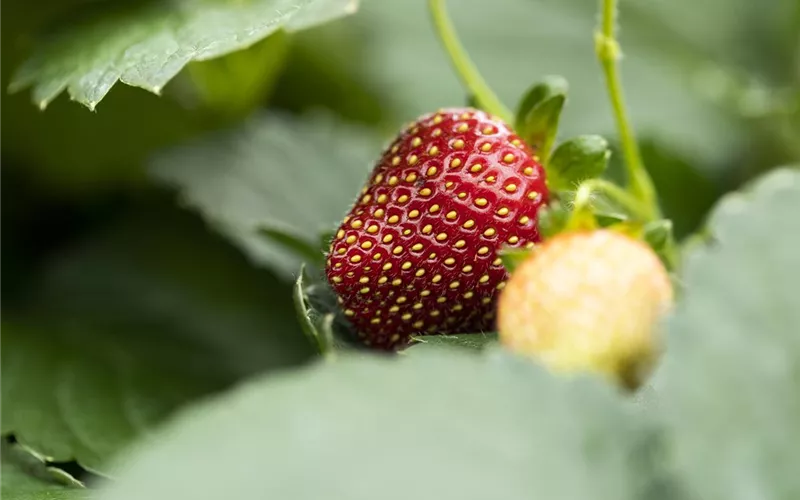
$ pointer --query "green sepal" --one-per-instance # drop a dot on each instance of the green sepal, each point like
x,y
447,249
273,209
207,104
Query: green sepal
x,y
576,160
539,112
513,257
659,235
552,219
319,339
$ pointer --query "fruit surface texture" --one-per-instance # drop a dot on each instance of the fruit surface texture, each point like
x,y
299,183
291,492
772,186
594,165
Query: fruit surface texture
x,y
418,251
587,301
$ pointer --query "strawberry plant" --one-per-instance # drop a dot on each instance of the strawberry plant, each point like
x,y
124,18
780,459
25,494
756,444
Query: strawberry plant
x,y
354,249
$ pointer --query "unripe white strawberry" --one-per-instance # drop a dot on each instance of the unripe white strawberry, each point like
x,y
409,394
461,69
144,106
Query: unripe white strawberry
x,y
587,301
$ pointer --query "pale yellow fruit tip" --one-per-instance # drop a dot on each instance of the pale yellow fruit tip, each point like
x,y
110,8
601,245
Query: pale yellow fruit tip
x,y
588,301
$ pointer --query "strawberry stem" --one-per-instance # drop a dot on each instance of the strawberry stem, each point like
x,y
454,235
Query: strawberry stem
x,y
470,77
587,189
608,52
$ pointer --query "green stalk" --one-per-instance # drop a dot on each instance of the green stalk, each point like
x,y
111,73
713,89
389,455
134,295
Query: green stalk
x,y
608,52
464,67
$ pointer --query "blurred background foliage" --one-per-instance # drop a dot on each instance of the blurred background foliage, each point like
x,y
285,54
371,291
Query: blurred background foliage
x,y
96,250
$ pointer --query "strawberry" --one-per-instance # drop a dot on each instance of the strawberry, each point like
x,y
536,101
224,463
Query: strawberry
x,y
418,250
587,301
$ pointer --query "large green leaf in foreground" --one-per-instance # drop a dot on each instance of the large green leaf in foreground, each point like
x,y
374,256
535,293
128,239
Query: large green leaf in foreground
x,y
441,424
730,384
129,326
23,478
297,176
149,43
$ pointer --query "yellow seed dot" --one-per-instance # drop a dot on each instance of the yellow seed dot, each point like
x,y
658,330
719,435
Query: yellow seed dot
x,y
393,180
449,261
448,184
350,239
497,261
366,245
462,195
437,119
401,299
466,268
378,179
462,128
502,211
406,266
365,290
501,285
516,142
524,219
418,324
349,312
416,141
346,219
483,250
455,163
452,214
379,212
340,234
416,247
489,232
469,295
476,168
458,144
382,198
457,307
481,202
488,130
411,177
382,280
397,250
437,278
393,309
363,280
364,190
377,256
403,198
365,199
417,306
337,279
356,224
529,245
460,244
513,239
355,258
372,229
425,293
406,316
455,284
432,255
511,188
435,313
338,265
436,132
533,195
486,300
484,278
441,237
419,272
469,224
425,192
431,171
341,251
393,219
427,229
441,300
486,147
434,208
396,282
396,161
508,158
387,238
387,266
412,160
375,321
413,214
433,151
406,232
528,171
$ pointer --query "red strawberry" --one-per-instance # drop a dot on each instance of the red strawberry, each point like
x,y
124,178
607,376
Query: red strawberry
x,y
418,250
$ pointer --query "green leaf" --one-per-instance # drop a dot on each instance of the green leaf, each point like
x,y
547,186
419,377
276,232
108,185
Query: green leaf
x,y
728,386
476,341
146,44
23,478
297,176
294,244
464,426
578,159
130,325
539,112
553,218
513,257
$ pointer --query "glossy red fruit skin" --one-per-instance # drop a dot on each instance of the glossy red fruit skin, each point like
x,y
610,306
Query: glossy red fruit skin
x,y
417,252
